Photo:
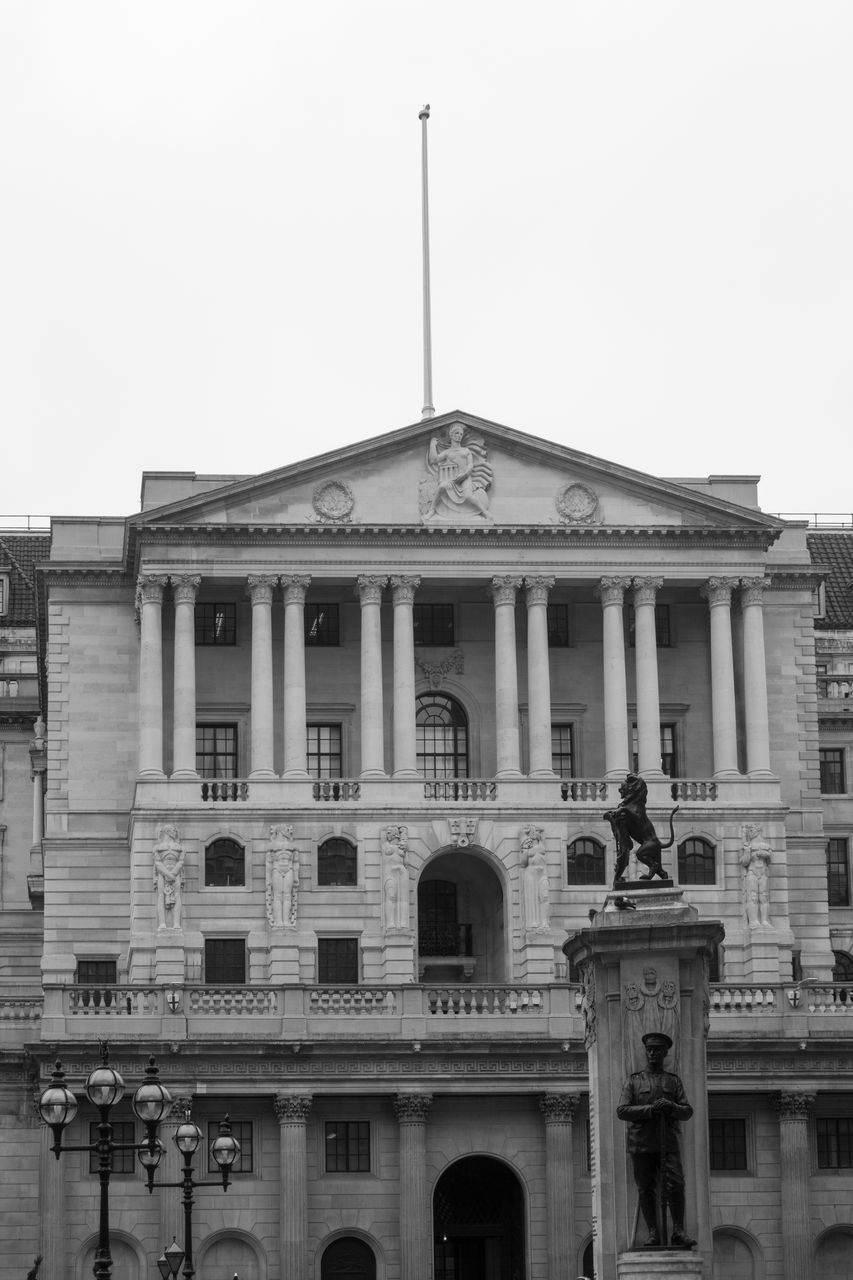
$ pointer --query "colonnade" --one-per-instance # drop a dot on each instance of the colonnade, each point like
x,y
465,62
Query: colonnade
x,y
504,591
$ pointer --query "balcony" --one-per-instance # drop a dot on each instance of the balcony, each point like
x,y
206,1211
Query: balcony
x,y
835,695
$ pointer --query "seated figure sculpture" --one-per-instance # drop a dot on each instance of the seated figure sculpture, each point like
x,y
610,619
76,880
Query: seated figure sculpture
x,y
631,825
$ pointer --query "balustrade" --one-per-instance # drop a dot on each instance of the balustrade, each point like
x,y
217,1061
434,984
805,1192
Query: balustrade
x,y
460,789
229,790
337,789
835,686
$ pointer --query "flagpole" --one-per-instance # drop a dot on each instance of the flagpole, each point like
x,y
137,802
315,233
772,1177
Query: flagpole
x,y
428,410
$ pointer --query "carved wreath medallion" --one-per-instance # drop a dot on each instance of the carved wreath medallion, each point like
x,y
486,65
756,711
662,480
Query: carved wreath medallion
x,y
577,504
333,501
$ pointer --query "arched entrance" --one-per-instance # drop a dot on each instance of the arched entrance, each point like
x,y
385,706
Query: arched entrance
x,y
460,920
348,1258
478,1222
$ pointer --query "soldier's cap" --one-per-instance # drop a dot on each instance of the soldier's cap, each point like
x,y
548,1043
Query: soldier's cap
x,y
657,1037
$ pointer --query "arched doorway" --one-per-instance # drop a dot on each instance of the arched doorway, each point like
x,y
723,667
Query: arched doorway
x,y
228,1256
733,1257
348,1258
834,1255
125,1258
460,920
478,1222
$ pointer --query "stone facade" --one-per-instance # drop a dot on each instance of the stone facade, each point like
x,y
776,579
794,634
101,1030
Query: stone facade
x,y
463,636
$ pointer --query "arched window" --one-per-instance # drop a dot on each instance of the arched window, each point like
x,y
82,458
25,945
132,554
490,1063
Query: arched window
x,y
697,862
336,863
585,862
224,864
842,970
348,1257
442,736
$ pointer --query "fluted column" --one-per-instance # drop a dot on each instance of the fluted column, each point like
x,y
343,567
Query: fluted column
x,y
416,1251
648,697
170,1170
405,741
369,591
53,1235
260,587
755,677
292,1115
295,732
506,677
558,1110
184,591
723,713
539,676
795,1169
616,757
150,599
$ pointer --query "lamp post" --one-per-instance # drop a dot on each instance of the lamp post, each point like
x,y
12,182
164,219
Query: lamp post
x,y
104,1088
225,1149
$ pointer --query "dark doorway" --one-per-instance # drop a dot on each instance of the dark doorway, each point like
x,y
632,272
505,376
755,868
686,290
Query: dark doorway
x,y
348,1259
478,1216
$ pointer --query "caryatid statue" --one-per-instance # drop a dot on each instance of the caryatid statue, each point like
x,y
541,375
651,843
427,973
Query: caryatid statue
x,y
282,876
168,875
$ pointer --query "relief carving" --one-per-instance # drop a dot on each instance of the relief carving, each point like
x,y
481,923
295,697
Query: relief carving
x,y
282,877
536,886
168,877
395,878
755,859
652,1006
333,502
436,671
577,504
459,480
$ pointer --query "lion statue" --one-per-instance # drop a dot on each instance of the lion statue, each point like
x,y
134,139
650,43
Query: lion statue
x,y
631,825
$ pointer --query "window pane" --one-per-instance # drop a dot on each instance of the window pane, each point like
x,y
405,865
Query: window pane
x,y
347,1146
325,757
122,1161
336,863
668,758
558,626
562,753
225,961
216,623
224,864
832,780
216,750
696,862
442,737
728,1143
242,1131
96,973
433,624
838,872
585,862
835,1142
663,631
322,624
337,960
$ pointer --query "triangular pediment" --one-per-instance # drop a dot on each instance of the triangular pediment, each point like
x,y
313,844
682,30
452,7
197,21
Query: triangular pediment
x,y
455,470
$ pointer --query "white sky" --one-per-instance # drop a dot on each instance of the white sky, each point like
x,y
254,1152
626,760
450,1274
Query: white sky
x,y
641,214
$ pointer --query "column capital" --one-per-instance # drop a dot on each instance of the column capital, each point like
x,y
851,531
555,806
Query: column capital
x,y
752,590
404,587
612,590
646,589
260,587
792,1106
412,1108
537,589
369,588
558,1108
291,1108
185,587
718,590
295,586
150,587
503,589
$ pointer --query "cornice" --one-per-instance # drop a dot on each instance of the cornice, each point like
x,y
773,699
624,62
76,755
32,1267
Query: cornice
x,y
77,575
795,579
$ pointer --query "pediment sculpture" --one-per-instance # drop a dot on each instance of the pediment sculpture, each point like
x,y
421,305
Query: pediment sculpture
x,y
457,488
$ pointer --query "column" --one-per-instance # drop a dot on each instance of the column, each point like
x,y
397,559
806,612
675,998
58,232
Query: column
x,y
506,677
405,742
292,1115
170,1169
416,1251
616,758
295,732
755,677
795,1170
558,1110
369,593
51,1207
149,593
184,590
38,772
723,715
539,676
260,593
648,697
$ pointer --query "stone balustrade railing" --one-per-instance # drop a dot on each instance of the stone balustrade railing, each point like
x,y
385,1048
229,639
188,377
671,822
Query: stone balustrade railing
x,y
835,686
20,1011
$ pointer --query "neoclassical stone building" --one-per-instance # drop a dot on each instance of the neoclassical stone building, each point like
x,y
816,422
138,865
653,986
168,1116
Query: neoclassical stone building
x,y
329,752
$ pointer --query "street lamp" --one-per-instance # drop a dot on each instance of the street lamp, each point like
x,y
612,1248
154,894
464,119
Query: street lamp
x,y
104,1088
225,1149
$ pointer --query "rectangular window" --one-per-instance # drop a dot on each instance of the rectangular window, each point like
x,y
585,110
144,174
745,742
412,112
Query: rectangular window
x,y
558,626
96,973
216,750
663,631
562,750
337,960
834,1142
727,1137
242,1131
433,624
225,962
832,780
123,1161
838,871
325,759
4,593
347,1146
668,760
322,624
216,623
